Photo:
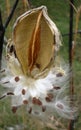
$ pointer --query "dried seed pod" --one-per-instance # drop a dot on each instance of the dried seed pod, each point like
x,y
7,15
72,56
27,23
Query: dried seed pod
x,y
35,36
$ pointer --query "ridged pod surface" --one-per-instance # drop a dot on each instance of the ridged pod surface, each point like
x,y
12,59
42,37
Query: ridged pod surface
x,y
34,38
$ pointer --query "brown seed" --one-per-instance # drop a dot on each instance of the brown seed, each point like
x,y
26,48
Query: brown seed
x,y
23,91
25,101
43,108
59,74
14,109
49,97
6,82
56,87
17,79
36,101
10,93
39,102
30,110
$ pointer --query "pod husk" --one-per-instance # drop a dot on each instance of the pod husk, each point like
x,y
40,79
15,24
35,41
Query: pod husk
x,y
35,38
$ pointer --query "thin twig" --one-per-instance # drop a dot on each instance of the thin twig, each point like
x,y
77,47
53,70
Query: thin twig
x,y
1,37
72,5
71,49
11,14
74,33
71,32
29,2
77,22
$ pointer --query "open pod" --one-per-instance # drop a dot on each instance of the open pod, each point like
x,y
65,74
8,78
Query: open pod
x,y
36,38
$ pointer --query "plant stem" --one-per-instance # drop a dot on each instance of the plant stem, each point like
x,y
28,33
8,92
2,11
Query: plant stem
x,y
3,28
71,50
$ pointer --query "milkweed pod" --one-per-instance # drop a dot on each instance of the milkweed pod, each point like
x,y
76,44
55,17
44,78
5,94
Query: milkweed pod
x,y
36,39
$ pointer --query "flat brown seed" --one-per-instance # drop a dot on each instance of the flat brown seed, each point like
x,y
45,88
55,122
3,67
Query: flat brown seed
x,y
36,101
23,91
10,93
49,97
59,74
17,79
43,108
14,109
39,102
30,110
6,82
56,87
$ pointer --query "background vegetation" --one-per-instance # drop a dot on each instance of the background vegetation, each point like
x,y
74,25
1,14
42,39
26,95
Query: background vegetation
x,y
58,10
